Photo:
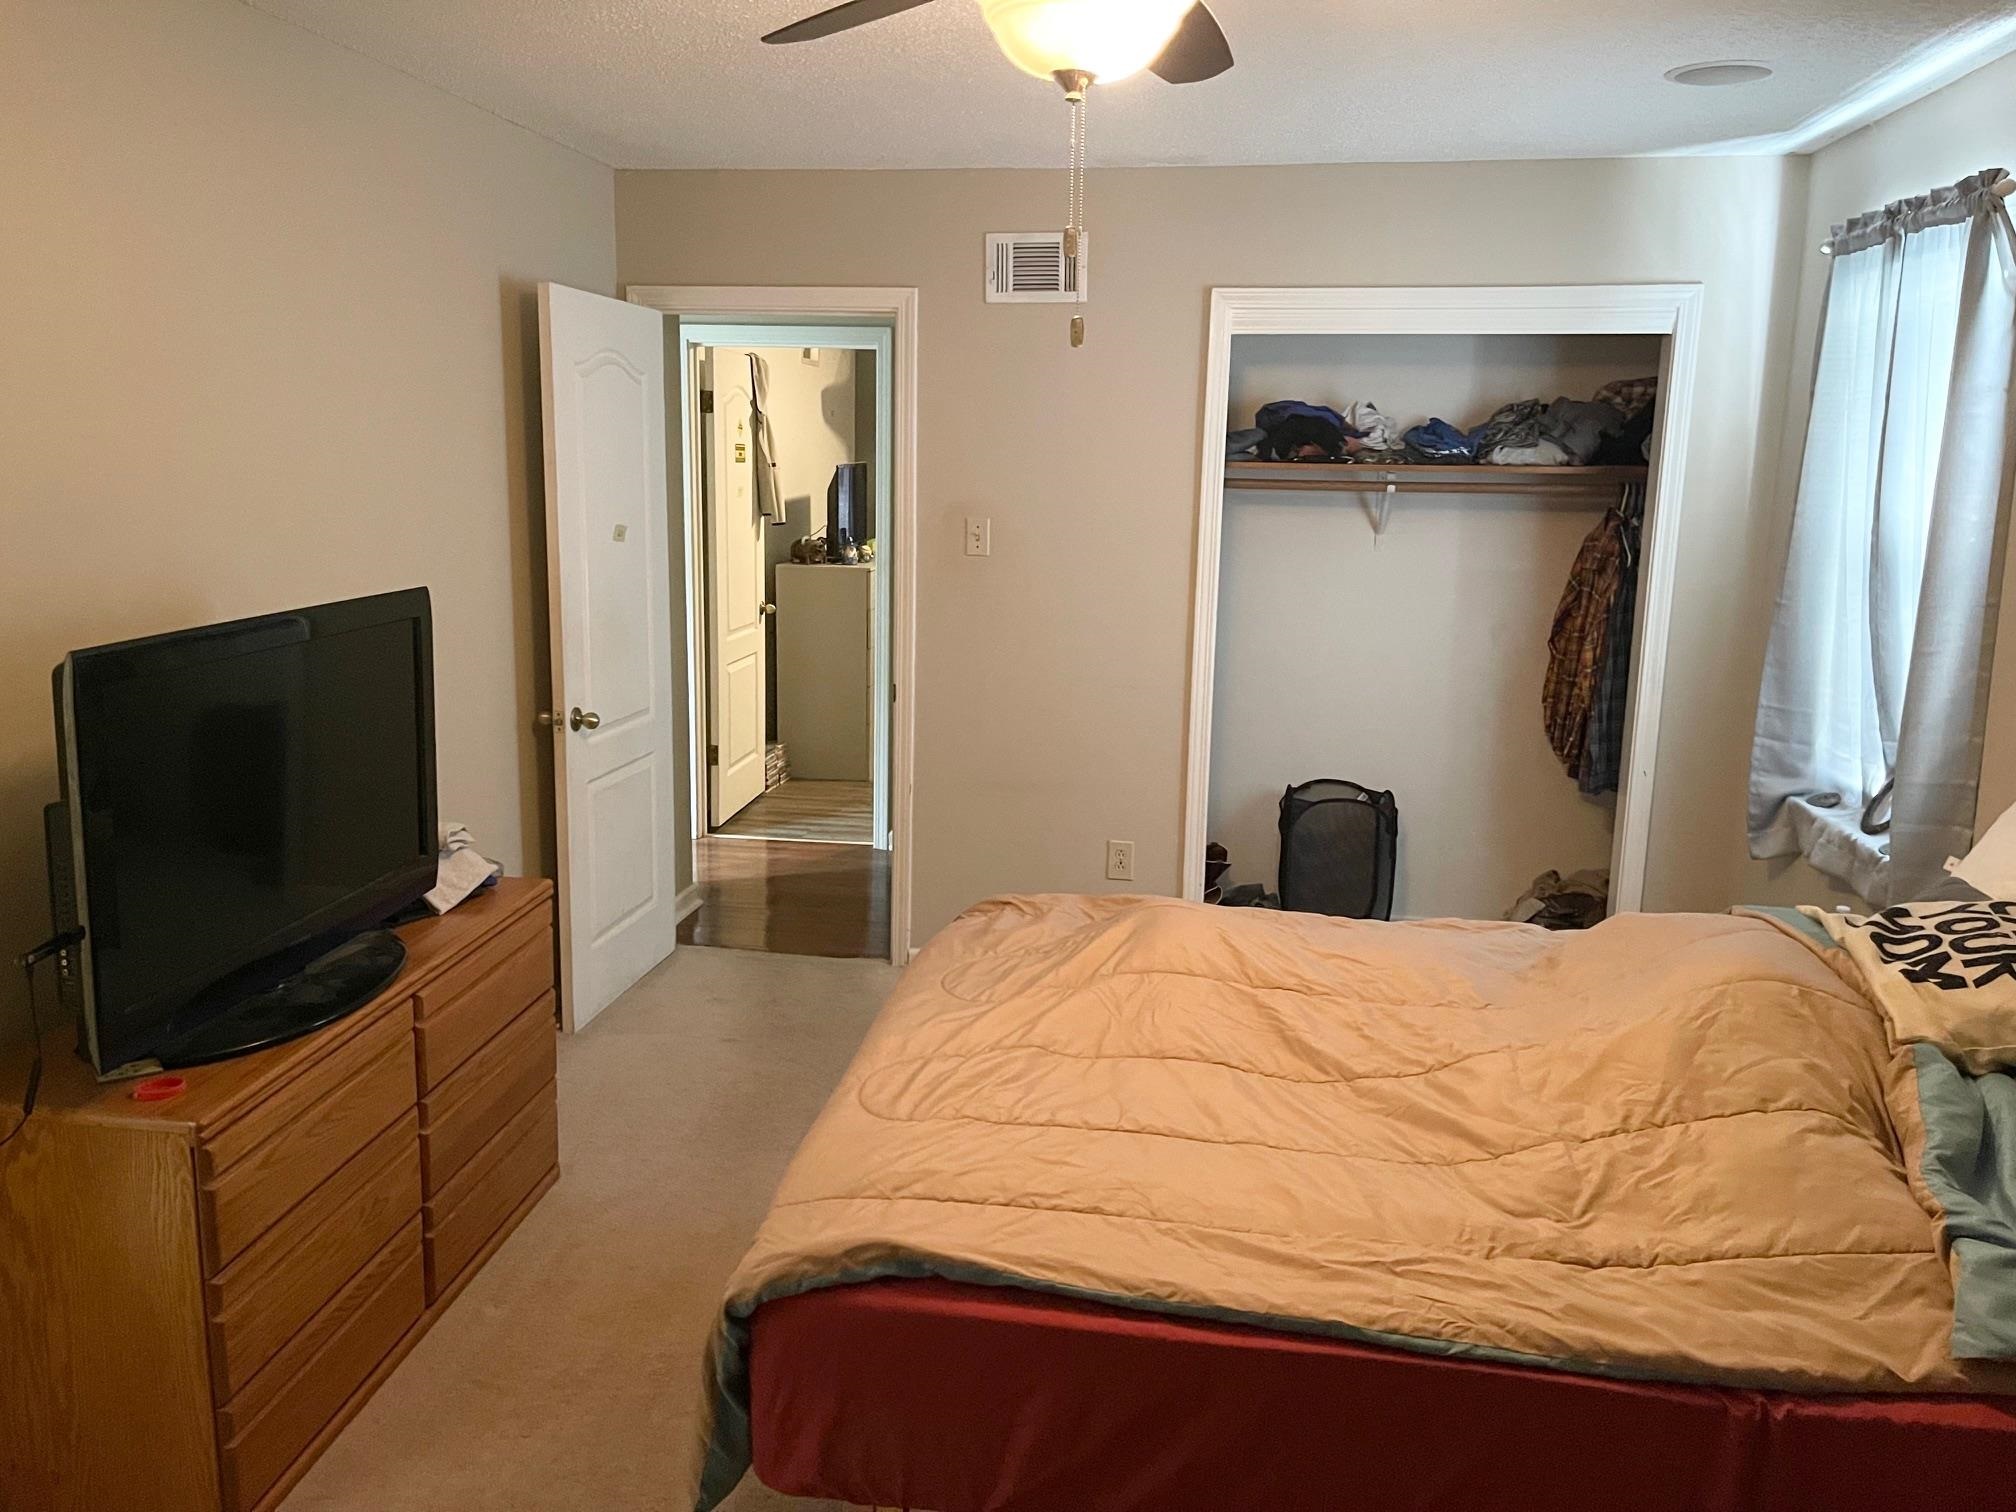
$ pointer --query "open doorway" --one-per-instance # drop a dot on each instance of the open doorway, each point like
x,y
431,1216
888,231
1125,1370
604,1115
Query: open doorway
x,y
788,483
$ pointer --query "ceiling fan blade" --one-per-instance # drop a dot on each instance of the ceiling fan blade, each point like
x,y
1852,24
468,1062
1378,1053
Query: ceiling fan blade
x,y
1197,52
842,18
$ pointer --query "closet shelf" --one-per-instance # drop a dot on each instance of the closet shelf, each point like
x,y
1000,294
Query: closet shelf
x,y
1592,483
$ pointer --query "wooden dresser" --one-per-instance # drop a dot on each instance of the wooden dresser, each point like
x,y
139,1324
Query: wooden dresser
x,y
196,1295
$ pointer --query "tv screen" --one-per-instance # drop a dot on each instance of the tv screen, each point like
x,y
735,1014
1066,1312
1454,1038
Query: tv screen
x,y
237,791
849,510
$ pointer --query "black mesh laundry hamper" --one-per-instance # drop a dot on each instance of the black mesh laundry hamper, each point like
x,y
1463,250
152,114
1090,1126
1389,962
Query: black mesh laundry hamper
x,y
1337,844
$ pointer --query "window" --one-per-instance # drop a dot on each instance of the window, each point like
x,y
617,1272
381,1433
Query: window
x,y
1868,740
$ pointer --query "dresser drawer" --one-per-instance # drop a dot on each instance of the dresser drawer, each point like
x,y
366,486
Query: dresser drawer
x,y
262,1299
460,1114
286,1105
465,1006
265,1428
242,1199
470,1208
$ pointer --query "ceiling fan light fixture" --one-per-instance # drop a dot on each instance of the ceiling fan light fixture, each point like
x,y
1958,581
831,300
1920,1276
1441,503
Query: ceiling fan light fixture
x,y
1108,39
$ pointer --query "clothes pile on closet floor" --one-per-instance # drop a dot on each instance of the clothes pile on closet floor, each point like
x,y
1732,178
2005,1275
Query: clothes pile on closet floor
x,y
1579,900
1612,428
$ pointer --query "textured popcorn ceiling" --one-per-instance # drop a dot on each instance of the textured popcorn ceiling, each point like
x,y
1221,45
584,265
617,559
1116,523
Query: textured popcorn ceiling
x,y
686,84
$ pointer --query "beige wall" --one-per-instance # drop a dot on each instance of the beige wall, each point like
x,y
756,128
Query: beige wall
x,y
270,340
1051,675
1965,127
1326,632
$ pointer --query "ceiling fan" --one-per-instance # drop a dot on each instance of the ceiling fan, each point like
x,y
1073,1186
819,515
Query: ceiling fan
x,y
1078,43
1105,40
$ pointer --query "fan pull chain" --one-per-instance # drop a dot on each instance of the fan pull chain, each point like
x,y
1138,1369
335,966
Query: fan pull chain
x,y
1074,228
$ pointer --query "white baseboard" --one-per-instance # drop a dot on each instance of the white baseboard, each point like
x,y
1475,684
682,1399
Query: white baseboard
x,y
688,902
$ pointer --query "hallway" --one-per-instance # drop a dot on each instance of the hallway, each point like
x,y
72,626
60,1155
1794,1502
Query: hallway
x,y
808,809
792,897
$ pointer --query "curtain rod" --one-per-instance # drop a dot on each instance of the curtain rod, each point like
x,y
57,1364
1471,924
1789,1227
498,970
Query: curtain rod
x,y
2004,189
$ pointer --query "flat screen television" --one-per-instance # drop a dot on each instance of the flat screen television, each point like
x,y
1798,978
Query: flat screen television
x,y
240,804
850,514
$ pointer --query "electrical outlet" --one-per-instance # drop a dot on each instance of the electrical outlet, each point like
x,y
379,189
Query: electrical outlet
x,y
1120,860
979,536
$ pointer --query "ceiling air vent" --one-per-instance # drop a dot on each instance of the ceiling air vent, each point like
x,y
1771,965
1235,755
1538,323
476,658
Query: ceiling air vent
x,y
1029,267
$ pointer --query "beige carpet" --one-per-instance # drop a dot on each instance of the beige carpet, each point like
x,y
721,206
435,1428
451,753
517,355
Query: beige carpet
x,y
566,1377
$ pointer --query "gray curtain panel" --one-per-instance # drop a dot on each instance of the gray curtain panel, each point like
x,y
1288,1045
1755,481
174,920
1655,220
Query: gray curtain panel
x,y
1867,751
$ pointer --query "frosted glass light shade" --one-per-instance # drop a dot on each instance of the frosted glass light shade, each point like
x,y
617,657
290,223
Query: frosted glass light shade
x,y
1109,39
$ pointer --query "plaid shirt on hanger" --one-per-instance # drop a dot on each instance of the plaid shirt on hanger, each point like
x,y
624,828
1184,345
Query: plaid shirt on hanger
x,y
1602,769
1580,636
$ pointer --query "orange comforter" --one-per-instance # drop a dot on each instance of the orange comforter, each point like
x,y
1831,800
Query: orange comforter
x,y
1672,1146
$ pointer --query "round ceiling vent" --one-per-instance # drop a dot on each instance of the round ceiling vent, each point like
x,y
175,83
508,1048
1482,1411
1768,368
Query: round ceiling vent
x,y
1712,75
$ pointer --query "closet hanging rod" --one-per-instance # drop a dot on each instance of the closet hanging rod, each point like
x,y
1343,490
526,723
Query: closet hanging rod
x,y
1376,486
1481,478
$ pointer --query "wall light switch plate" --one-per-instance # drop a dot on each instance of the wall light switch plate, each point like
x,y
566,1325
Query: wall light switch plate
x,y
979,536
1119,860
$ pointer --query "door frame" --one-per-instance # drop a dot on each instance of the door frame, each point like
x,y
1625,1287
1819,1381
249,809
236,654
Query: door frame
x,y
760,315
696,336
1669,310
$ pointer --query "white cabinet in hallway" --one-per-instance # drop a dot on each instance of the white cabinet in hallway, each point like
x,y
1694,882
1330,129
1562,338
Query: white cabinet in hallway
x,y
825,618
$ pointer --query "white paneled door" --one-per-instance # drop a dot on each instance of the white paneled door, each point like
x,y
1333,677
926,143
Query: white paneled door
x,y
603,374
737,729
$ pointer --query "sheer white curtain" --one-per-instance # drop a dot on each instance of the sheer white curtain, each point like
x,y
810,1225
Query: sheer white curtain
x,y
1869,725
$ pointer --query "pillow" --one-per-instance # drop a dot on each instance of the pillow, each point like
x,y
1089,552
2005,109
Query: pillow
x,y
1943,974
1991,865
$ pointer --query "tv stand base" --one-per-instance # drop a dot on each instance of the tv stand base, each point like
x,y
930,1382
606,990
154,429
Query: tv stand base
x,y
333,984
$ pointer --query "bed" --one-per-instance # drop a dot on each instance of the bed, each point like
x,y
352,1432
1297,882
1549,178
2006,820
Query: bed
x,y
932,1394
1126,1204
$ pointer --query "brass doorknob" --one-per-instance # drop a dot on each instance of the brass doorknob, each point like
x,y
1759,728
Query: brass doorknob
x,y
584,720
769,608
546,719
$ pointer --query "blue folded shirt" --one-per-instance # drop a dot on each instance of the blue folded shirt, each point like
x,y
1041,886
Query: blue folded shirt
x,y
1439,441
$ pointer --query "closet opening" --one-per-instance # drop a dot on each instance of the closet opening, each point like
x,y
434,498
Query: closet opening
x,y
1385,600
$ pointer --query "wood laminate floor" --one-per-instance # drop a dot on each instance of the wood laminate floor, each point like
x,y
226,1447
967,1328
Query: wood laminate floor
x,y
808,809
792,897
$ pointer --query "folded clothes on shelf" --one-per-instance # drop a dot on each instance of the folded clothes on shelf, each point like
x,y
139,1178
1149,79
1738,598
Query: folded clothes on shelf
x,y
1528,433
1281,410
1439,441
1631,444
1614,429
1298,431
1375,431
1511,437
1578,426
